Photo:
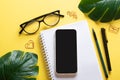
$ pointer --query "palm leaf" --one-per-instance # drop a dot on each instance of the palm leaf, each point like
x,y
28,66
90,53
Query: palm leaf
x,y
17,65
101,10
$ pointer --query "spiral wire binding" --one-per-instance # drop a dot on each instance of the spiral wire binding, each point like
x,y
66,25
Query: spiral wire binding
x,y
46,57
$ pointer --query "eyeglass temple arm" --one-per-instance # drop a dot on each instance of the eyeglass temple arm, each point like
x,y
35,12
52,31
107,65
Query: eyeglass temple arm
x,y
59,15
21,31
22,27
42,16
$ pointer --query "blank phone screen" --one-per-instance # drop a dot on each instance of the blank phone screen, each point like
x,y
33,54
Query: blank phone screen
x,y
66,51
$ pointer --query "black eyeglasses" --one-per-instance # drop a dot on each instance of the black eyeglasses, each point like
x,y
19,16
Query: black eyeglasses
x,y
33,25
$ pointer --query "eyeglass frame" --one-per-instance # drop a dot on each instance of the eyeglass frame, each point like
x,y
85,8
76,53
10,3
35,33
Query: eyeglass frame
x,y
23,25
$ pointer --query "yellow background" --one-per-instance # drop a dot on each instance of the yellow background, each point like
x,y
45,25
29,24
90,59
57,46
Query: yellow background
x,y
15,12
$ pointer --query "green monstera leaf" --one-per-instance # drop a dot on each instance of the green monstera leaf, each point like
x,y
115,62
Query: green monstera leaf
x,y
101,10
17,65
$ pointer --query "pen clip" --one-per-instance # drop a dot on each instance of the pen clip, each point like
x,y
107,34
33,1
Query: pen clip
x,y
104,35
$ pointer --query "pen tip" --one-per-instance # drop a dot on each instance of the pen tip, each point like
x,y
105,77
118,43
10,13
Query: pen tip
x,y
103,29
93,30
94,34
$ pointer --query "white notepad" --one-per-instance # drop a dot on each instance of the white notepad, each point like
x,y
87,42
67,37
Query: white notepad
x,y
88,67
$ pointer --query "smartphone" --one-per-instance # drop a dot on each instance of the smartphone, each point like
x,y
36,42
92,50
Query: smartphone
x,y
66,52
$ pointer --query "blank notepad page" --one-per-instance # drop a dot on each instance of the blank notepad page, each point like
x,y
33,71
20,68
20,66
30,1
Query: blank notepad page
x,y
88,67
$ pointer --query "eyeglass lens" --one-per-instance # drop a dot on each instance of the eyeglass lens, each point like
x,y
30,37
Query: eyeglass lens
x,y
51,19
